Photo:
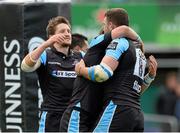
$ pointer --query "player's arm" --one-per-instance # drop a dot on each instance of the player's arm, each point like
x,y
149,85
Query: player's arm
x,y
118,32
125,31
149,77
32,60
104,70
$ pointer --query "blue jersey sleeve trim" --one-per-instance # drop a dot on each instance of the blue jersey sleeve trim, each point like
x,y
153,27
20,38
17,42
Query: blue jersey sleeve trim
x,y
122,46
96,40
106,70
91,73
43,58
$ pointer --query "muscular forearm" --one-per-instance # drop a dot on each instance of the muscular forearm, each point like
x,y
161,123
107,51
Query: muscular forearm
x,y
147,82
83,71
33,56
31,61
124,31
143,88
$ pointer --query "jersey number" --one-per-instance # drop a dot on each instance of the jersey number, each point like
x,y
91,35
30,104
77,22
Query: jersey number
x,y
140,64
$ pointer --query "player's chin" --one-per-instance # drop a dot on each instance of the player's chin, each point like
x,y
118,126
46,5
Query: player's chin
x,y
67,43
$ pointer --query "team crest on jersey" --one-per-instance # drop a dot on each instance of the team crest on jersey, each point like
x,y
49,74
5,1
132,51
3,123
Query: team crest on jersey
x,y
64,74
112,45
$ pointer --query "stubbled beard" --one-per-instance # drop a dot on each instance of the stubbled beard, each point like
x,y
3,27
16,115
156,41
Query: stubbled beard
x,y
65,45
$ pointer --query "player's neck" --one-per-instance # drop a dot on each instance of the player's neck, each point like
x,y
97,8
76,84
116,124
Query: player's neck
x,y
62,48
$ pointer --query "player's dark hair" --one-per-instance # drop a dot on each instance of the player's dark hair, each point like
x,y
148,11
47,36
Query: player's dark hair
x,y
78,40
120,13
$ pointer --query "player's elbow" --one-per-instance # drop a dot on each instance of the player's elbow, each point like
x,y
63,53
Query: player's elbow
x,y
26,68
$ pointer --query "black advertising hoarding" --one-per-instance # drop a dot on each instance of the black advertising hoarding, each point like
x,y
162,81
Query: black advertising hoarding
x,y
11,40
22,28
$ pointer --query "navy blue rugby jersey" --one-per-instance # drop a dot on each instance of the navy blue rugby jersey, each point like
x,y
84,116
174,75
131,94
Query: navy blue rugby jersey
x,y
125,85
56,76
89,93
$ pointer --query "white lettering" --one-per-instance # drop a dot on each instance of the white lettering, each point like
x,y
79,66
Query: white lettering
x,y
12,59
12,76
11,46
13,120
14,105
9,93
9,127
64,74
137,87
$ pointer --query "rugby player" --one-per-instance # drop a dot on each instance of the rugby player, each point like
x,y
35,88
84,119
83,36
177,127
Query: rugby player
x,y
86,102
122,71
55,70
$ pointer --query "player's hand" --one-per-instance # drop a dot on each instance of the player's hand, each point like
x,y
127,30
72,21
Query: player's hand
x,y
57,38
79,66
152,66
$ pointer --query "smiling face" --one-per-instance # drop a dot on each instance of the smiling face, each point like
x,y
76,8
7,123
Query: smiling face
x,y
59,25
66,31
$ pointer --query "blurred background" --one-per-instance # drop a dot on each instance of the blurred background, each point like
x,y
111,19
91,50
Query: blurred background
x,y
158,24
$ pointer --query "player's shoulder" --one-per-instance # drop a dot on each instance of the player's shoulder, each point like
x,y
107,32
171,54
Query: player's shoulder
x,y
49,52
96,40
121,40
119,44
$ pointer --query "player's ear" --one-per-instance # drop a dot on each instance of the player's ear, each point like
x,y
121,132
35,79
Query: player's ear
x,y
111,25
77,48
